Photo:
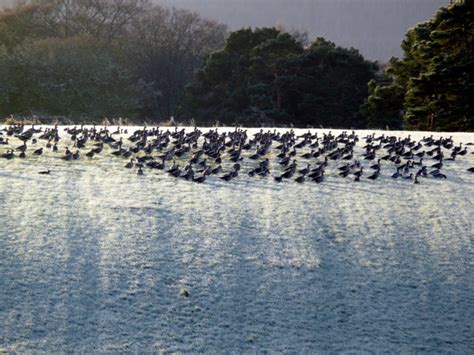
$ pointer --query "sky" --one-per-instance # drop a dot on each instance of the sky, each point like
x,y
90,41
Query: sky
x,y
375,27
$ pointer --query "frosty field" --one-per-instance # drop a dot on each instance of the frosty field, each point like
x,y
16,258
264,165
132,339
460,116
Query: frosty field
x,y
93,258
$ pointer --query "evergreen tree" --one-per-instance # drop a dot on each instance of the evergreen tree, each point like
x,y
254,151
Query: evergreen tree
x,y
328,84
441,95
383,108
267,77
434,76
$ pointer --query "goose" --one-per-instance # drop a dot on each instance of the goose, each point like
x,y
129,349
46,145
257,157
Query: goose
x,y
305,170
422,172
397,174
200,179
99,148
308,155
22,147
300,179
319,178
439,156
420,154
68,155
419,162
90,154
288,174
8,155
216,170
438,165
175,172
439,175
370,156
254,156
278,178
349,156
344,173
226,177
359,173
130,164
189,174
375,175
376,166
344,167
38,151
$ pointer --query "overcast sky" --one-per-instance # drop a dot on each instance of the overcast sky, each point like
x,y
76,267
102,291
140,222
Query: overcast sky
x,y
375,27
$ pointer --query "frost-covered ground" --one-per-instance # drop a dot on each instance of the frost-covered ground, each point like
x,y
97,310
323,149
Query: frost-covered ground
x,y
93,257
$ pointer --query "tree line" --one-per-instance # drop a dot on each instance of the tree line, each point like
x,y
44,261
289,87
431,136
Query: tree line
x,y
89,59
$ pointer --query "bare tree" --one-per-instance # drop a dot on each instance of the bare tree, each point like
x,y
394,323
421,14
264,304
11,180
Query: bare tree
x,y
161,47
171,45
105,19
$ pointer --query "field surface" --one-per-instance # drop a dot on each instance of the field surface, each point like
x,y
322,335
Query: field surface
x,y
93,258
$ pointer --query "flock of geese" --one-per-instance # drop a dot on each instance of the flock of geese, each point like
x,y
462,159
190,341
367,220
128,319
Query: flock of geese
x,y
196,155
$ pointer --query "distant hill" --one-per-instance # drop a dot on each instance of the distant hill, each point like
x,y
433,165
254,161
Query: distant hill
x,y
375,27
